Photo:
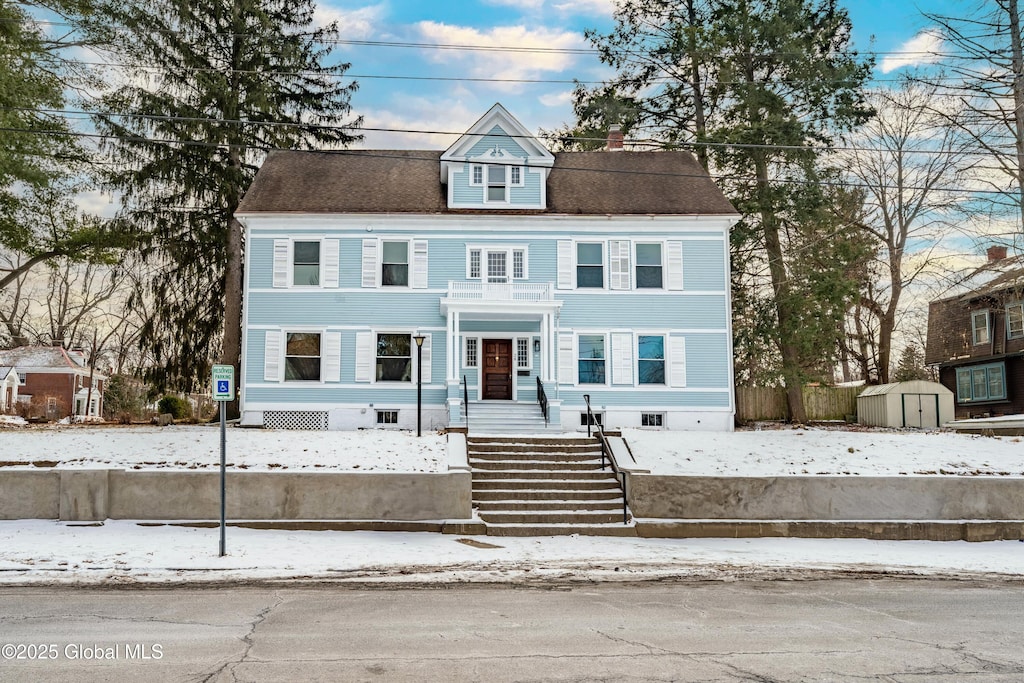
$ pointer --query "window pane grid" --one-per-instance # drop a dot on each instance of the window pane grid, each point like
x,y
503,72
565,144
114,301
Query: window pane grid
x,y
471,353
518,264
522,353
474,263
497,266
986,383
1015,320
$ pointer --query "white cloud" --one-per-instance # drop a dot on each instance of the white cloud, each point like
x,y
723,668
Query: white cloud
x,y
593,7
441,123
354,24
921,49
503,64
521,4
556,99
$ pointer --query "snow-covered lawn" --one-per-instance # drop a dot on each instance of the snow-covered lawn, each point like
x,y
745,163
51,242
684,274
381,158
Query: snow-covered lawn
x,y
198,447
754,453
826,451
37,551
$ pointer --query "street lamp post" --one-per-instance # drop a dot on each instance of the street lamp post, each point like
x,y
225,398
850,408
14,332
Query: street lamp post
x,y
419,382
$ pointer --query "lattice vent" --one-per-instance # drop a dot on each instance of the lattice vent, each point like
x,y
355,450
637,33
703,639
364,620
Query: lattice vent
x,y
309,420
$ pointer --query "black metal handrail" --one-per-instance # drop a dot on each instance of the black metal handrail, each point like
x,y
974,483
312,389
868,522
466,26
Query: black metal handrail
x,y
606,451
465,402
542,398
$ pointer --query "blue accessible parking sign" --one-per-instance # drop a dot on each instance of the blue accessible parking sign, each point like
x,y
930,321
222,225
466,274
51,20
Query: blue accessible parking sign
x,y
223,382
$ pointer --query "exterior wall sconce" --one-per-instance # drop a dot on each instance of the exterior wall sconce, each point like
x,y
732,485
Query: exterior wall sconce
x,y
536,345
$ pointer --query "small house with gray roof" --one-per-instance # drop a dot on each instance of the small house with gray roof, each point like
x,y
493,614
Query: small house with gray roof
x,y
383,286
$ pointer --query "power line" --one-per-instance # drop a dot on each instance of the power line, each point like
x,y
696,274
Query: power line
x,y
575,138
382,154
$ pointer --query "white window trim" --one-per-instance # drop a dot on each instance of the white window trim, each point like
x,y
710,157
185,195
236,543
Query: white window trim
x,y
974,328
636,264
283,356
664,334
576,264
522,176
289,271
1019,305
607,359
529,352
476,352
509,250
412,366
409,258
473,168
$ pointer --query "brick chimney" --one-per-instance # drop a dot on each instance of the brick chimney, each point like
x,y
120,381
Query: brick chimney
x,y
615,138
996,253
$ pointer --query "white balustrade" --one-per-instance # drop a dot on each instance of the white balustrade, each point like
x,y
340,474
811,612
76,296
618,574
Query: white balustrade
x,y
499,291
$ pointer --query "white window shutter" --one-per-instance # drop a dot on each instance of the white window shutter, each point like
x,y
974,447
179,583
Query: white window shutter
x,y
564,264
272,356
677,361
419,264
566,359
281,248
332,357
426,366
618,258
674,270
364,356
622,358
332,261
370,270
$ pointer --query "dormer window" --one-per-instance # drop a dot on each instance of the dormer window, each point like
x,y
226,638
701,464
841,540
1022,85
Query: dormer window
x,y
497,189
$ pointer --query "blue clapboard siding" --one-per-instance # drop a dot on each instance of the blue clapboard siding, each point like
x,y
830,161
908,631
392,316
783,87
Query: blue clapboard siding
x,y
376,308
707,361
371,393
704,265
647,312
497,138
639,398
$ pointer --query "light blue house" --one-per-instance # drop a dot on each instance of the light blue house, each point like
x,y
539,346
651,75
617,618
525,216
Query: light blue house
x,y
601,273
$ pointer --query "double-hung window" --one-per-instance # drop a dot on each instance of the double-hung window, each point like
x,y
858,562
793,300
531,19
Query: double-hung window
x,y
589,264
302,357
979,327
1015,321
395,264
981,383
496,180
306,263
394,358
651,358
497,266
591,359
649,266
497,187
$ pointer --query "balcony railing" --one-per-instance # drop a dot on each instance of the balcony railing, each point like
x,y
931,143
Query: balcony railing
x,y
500,291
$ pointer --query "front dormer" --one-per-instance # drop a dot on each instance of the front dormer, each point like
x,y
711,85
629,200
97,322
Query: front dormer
x,y
496,164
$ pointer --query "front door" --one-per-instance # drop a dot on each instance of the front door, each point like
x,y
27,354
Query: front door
x,y
498,369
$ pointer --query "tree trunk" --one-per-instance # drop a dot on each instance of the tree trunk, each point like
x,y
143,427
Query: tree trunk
x,y
1018,97
698,93
231,352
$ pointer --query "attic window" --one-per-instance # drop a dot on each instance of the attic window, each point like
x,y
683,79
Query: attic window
x,y
496,186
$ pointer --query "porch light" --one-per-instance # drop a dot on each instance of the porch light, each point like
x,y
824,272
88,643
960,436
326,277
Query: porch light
x,y
536,345
419,382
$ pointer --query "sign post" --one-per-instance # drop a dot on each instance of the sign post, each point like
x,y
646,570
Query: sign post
x,y
223,391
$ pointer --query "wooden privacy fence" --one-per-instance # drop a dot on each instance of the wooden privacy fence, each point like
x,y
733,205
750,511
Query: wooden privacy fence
x,y
821,403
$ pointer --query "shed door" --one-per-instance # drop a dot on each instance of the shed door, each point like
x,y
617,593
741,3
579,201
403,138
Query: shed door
x,y
921,411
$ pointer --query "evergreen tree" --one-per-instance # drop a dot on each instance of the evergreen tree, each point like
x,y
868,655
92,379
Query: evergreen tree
x,y
767,83
212,84
911,365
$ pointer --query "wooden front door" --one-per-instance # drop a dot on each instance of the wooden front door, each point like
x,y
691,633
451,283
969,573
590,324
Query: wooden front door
x,y
498,369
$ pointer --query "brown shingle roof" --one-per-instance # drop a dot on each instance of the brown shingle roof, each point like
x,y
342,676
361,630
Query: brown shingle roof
x,y
408,181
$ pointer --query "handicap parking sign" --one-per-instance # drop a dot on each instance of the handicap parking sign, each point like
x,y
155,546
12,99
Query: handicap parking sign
x,y
223,382
223,386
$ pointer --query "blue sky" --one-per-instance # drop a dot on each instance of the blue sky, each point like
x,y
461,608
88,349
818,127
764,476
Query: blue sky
x,y
887,26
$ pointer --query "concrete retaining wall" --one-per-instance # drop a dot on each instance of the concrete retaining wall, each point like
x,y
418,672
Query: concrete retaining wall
x,y
92,495
826,498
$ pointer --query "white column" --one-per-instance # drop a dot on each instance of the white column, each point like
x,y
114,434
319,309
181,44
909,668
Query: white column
x,y
545,348
450,352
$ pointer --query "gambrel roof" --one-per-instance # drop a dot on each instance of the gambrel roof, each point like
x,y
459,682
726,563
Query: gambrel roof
x,y
406,181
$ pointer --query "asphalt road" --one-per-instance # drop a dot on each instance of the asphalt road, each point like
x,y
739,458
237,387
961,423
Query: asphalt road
x,y
842,630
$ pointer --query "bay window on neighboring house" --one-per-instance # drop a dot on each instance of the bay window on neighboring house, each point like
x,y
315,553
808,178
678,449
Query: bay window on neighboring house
x,y
979,327
981,383
1015,320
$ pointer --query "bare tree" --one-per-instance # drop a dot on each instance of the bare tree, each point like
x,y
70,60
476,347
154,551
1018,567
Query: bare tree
x,y
908,159
988,66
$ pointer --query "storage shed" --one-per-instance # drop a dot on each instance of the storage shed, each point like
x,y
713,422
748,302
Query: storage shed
x,y
925,405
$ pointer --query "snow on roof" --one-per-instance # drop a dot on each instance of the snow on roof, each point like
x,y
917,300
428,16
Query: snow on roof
x,y
27,358
989,277
5,371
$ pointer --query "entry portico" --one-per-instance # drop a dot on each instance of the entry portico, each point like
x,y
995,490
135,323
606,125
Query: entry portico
x,y
495,330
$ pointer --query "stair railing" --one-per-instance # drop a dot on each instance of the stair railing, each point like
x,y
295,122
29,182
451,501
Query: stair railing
x,y
542,398
606,451
465,402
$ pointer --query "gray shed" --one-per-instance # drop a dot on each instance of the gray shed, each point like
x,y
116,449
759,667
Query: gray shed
x,y
922,404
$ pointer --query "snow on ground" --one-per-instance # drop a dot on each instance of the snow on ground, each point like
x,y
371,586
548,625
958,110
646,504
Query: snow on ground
x,y
825,451
198,447
13,420
37,551
755,453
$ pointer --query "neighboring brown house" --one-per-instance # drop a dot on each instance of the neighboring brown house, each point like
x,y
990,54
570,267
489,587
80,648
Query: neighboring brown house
x,y
976,338
55,381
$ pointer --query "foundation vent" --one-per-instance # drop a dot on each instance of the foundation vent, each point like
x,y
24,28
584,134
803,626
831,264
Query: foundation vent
x,y
308,420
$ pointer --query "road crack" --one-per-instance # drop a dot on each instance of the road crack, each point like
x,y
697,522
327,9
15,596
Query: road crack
x,y
248,640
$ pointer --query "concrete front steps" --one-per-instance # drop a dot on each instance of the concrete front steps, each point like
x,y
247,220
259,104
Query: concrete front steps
x,y
545,486
507,417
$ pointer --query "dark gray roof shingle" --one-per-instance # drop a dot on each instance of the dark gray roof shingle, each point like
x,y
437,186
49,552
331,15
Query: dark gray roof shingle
x,y
408,181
